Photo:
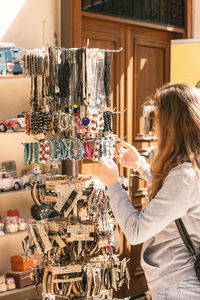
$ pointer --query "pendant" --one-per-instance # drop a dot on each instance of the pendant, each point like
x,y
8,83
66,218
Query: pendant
x,y
85,121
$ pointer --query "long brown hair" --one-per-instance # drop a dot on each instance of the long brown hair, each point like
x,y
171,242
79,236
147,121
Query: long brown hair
x,y
178,122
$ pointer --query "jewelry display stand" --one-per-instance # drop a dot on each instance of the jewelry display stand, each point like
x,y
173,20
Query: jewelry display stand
x,y
70,96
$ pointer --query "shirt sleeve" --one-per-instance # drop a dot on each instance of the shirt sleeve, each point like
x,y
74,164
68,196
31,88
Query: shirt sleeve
x,y
171,202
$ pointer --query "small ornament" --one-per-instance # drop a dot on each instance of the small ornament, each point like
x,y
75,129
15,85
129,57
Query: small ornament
x,y
85,121
76,109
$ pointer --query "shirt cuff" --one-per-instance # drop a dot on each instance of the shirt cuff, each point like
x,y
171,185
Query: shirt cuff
x,y
147,176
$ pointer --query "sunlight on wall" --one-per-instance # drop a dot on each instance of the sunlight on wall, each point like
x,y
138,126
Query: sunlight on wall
x,y
8,12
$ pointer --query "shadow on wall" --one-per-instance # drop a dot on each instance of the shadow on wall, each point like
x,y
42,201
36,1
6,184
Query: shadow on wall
x,y
30,24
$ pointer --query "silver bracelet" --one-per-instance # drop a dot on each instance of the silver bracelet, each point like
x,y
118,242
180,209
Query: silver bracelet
x,y
141,162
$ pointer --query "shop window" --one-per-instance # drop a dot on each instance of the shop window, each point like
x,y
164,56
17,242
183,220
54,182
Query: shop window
x,y
170,12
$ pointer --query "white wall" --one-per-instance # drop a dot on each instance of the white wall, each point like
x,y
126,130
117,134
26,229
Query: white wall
x,y
28,24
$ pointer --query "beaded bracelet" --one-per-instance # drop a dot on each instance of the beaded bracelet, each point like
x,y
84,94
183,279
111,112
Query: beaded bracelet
x,y
111,144
106,148
66,145
30,153
76,149
44,151
102,205
55,123
27,123
51,125
63,121
33,123
96,151
87,150
57,151
62,148
26,145
51,150
46,122
108,120
36,153
97,123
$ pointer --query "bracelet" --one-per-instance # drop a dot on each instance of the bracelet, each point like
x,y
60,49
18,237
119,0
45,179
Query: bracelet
x,y
141,162
26,149
44,151
76,149
36,153
66,151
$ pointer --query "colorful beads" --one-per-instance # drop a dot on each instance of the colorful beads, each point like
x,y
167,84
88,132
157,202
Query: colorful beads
x,y
56,150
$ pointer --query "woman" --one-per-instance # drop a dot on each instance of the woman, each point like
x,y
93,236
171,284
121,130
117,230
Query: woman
x,y
174,191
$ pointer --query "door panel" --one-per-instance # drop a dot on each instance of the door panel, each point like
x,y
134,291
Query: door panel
x,y
150,58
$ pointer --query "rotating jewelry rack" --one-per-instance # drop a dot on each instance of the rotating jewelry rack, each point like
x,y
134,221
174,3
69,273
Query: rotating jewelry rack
x,y
69,94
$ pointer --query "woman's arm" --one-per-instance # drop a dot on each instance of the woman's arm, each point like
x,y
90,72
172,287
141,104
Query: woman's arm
x,y
145,173
128,157
170,203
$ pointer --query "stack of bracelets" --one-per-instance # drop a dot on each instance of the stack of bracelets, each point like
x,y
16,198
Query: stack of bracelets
x,y
92,125
64,102
77,252
56,150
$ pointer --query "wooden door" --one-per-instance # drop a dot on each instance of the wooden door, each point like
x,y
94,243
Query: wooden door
x,y
142,67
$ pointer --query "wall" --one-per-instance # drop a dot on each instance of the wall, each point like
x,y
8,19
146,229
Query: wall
x,y
196,19
28,24
185,63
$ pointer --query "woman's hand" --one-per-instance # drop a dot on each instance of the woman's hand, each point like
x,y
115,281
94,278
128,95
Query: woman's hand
x,y
108,172
127,156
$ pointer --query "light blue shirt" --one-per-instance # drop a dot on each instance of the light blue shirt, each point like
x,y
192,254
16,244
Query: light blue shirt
x,y
164,258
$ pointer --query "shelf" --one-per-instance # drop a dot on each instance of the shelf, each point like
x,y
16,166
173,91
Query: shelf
x,y
13,192
15,233
11,131
15,291
12,76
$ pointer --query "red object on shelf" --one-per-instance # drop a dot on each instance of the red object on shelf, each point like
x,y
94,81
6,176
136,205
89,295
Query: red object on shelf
x,y
13,213
3,126
22,263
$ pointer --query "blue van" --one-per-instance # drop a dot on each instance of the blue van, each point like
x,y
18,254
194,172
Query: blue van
x,y
10,60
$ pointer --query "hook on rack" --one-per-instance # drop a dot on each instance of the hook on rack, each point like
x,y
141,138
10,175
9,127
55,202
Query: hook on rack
x,y
117,50
88,42
123,138
106,50
116,112
36,139
120,112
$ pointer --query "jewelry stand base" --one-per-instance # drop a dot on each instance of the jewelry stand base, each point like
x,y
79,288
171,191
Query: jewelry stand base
x,y
48,296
